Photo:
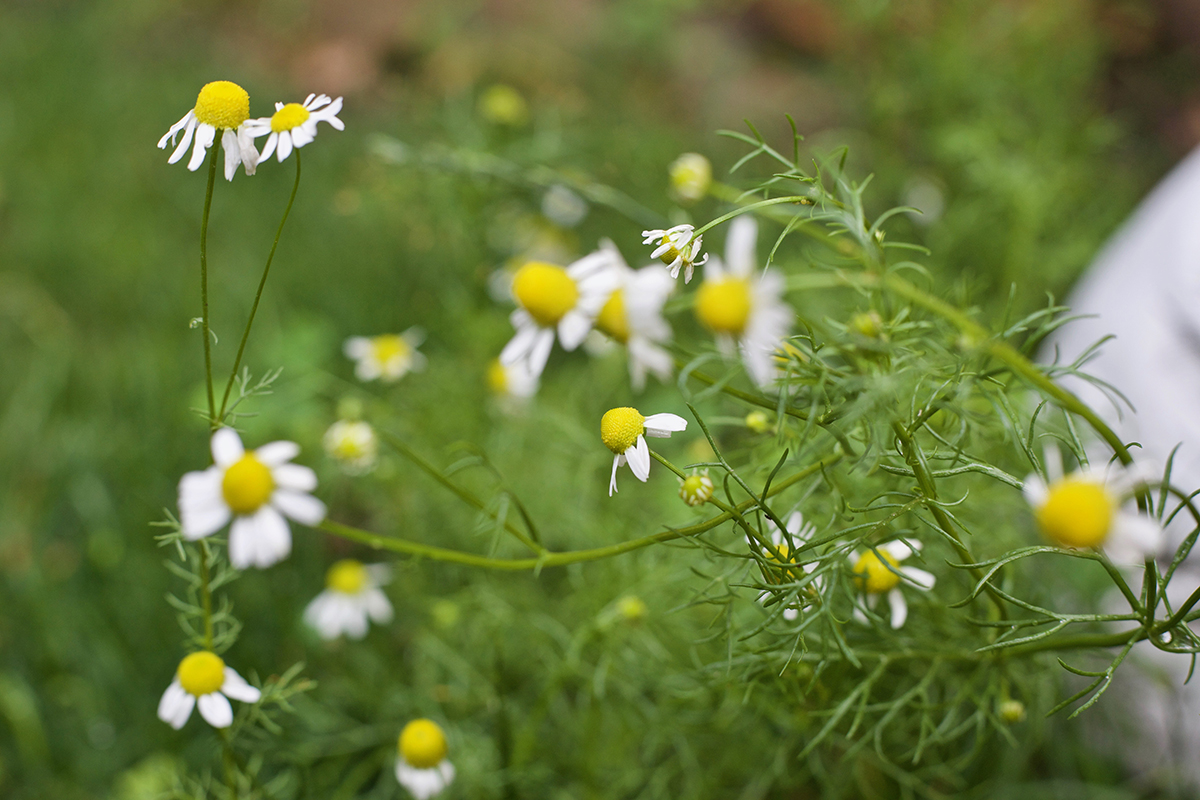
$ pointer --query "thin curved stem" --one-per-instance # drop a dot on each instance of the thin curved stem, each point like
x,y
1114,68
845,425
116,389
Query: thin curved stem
x,y
237,362
208,195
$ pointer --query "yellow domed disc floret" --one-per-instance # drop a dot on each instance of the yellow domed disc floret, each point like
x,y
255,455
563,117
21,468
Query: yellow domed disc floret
x,y
247,485
222,104
545,291
696,490
784,553
723,305
620,428
612,319
388,346
201,673
293,115
1077,513
422,744
347,576
874,572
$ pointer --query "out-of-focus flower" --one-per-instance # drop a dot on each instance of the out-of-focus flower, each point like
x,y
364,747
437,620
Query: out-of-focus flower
x,y
678,248
743,306
696,489
388,357
563,207
351,599
224,106
513,381
257,489
295,124
501,104
422,767
691,175
879,572
632,315
203,679
353,444
623,431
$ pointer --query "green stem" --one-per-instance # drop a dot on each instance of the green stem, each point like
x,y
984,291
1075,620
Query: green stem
x,y
237,362
206,596
208,195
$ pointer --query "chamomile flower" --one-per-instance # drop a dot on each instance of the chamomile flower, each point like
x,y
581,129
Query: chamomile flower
x,y
295,124
743,307
691,175
255,488
623,431
632,315
422,767
696,489
388,357
678,248
798,531
351,599
552,298
1084,510
878,572
203,679
512,381
224,106
353,444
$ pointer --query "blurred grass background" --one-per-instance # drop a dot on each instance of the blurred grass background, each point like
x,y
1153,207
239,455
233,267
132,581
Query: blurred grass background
x,y
1035,126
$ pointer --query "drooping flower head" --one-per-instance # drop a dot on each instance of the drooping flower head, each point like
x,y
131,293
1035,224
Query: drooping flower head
x,y
257,489
295,124
745,307
623,431
632,316
678,248
552,298
221,105
1084,510
203,679
879,572
422,767
388,357
352,598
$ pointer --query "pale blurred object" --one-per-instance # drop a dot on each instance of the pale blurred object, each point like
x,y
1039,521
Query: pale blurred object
x,y
501,104
691,175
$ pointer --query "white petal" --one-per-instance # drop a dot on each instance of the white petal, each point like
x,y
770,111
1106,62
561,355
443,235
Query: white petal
x,y
169,136
269,147
790,614
216,710
662,426
285,146
739,247
899,608
639,459
378,607
235,686
357,347
233,152
205,134
259,540
573,329
304,508
522,342
1134,537
226,447
301,136
423,784
246,146
1035,490
176,705
275,453
294,477
322,615
540,352
899,550
184,142
202,508
919,577
612,481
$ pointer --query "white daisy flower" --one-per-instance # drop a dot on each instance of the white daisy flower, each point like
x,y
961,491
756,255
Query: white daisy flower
x,y
255,488
295,124
881,573
632,315
1084,509
203,679
799,532
678,248
551,298
696,489
512,381
388,357
622,429
422,767
743,307
691,175
352,597
221,105
353,444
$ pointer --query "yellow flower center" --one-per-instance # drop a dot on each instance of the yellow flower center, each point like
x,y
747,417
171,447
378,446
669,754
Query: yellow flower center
x,y
620,428
247,485
346,576
389,346
497,377
547,292
783,554
293,115
201,673
758,421
422,744
874,572
696,489
612,319
348,447
1077,513
222,104
671,253
632,608
723,305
